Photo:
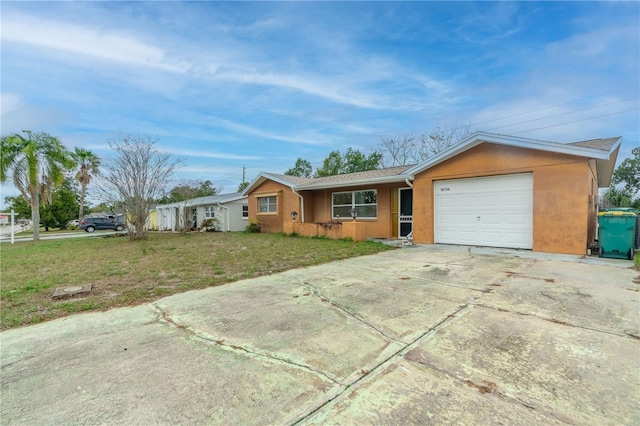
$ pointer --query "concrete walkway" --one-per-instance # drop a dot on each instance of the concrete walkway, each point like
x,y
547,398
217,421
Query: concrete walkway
x,y
413,336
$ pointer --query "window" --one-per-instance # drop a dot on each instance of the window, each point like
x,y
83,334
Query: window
x,y
209,213
267,204
245,212
365,202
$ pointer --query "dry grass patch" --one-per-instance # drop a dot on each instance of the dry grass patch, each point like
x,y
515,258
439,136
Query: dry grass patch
x,y
126,273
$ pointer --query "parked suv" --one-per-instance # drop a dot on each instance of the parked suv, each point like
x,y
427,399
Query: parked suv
x,y
92,223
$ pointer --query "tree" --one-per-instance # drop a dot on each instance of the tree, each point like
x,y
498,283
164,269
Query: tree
x,y
187,190
618,197
331,165
63,207
352,161
355,161
37,162
402,150
19,205
88,163
628,173
242,186
399,150
302,169
134,178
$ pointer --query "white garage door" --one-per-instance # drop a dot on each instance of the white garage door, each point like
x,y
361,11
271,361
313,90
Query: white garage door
x,y
493,211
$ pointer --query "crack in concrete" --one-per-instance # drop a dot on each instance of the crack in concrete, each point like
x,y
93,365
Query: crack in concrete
x,y
486,387
560,322
265,356
382,365
317,293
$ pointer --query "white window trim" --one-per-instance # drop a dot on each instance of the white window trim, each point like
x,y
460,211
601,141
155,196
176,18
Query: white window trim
x,y
275,204
209,210
353,204
242,212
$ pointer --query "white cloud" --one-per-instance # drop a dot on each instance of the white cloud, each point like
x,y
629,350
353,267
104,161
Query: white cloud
x,y
204,153
302,139
71,38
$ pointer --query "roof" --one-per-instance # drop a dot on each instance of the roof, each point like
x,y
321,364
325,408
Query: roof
x,y
604,151
602,144
378,176
370,177
209,200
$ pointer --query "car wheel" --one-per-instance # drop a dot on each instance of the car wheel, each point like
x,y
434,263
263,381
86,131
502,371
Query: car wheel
x,y
630,255
90,229
119,228
599,251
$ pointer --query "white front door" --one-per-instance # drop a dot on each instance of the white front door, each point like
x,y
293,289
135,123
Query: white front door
x,y
492,211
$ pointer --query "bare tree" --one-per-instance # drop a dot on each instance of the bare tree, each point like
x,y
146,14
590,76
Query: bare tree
x,y
399,150
402,150
134,178
441,138
186,191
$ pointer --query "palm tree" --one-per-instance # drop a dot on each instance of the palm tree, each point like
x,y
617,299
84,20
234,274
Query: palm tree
x,y
38,162
89,163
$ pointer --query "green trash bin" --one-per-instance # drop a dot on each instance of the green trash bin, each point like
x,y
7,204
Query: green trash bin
x,y
617,233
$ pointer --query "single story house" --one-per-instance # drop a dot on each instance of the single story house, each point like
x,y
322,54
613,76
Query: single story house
x,y
230,210
487,190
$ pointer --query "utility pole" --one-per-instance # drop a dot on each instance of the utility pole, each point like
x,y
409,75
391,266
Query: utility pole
x,y
243,171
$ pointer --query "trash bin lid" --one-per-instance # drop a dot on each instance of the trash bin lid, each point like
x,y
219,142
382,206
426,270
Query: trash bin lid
x,y
626,213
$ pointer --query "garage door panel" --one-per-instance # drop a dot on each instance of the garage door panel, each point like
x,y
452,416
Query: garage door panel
x,y
467,201
447,202
492,211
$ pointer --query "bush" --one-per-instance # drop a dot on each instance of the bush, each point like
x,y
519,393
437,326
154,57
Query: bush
x,y
254,226
210,225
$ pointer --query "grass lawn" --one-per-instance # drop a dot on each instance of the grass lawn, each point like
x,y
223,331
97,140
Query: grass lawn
x,y
126,273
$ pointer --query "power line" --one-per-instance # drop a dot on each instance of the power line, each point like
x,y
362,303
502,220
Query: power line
x,y
575,121
553,106
564,113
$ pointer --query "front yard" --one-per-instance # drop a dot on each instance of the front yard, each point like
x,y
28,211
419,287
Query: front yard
x,y
124,273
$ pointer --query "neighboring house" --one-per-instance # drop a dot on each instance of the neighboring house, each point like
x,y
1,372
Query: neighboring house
x,y
488,190
152,220
230,210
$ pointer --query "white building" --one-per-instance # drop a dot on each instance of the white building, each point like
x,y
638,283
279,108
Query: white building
x,y
230,210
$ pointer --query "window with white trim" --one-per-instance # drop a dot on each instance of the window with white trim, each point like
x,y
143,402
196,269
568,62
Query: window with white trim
x,y
245,212
365,203
267,204
208,212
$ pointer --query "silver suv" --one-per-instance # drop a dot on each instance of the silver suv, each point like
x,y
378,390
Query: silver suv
x,y
92,223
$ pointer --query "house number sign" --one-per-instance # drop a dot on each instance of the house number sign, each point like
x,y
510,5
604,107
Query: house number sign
x,y
445,189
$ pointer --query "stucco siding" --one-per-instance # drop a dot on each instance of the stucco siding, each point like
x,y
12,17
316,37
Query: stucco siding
x,y
286,202
561,188
373,228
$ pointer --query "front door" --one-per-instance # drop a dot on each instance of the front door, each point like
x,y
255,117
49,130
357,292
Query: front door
x,y
405,221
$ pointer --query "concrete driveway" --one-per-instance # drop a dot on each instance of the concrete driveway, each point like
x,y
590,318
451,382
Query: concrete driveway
x,y
422,335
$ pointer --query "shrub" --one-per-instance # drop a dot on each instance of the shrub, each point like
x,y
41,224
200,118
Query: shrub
x,y
210,225
253,227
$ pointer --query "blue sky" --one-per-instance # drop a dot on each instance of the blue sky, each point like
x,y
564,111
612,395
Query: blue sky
x,y
224,85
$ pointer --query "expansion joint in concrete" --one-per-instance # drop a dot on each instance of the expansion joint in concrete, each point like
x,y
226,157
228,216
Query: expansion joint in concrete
x,y
384,364
165,317
317,293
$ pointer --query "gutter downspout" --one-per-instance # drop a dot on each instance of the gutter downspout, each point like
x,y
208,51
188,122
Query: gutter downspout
x,y
227,209
301,205
410,235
